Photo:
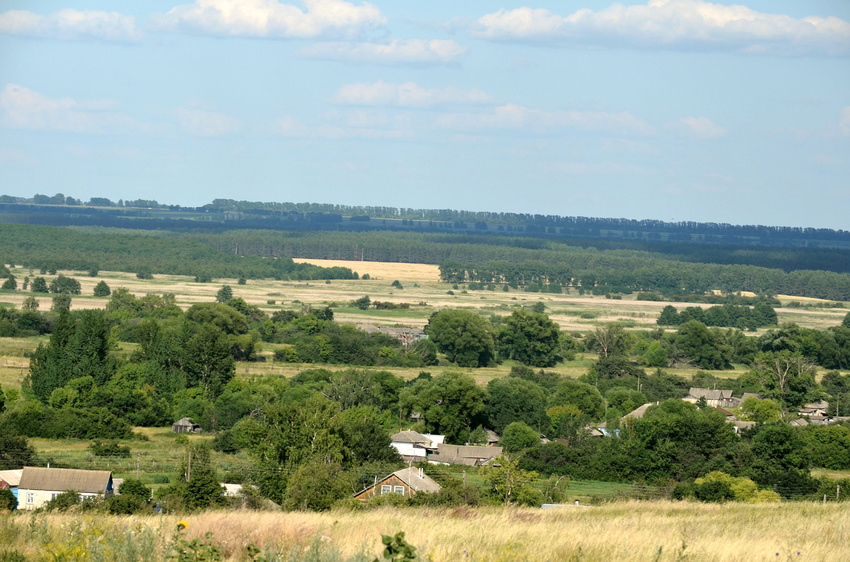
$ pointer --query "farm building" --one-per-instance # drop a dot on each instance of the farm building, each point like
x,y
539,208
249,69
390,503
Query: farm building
x,y
185,425
9,480
40,485
405,482
469,455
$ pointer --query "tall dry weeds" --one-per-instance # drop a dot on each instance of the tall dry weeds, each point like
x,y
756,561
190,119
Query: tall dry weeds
x,y
639,531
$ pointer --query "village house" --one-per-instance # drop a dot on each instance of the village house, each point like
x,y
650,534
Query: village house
x,y
714,398
414,446
405,482
469,455
40,485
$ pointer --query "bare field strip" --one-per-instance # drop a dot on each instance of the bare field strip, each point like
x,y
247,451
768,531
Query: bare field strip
x,y
384,270
624,531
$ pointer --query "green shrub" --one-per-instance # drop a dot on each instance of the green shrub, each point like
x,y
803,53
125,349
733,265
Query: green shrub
x,y
109,449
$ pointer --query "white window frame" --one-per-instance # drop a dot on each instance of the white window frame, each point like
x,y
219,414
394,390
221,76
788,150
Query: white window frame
x,y
386,489
398,490
30,498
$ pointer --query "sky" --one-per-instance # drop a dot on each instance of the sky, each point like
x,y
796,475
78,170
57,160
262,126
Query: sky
x,y
663,109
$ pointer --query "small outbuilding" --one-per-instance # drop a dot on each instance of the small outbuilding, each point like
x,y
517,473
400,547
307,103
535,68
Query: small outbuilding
x,y
405,482
185,425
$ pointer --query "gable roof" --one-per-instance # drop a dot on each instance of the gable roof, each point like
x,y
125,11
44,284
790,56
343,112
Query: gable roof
x,y
11,477
411,477
63,479
464,454
710,394
408,436
638,412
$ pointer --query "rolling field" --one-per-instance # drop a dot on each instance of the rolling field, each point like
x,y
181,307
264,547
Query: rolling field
x,y
421,289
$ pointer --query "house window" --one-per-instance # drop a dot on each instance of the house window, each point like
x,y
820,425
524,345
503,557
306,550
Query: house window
x,y
399,490
53,495
30,498
386,489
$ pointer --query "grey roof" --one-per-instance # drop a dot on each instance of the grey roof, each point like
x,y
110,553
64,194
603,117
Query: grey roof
x,y
638,413
410,476
63,479
410,436
184,421
11,477
470,455
710,394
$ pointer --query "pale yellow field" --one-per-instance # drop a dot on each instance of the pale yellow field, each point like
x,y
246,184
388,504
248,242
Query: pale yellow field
x,y
628,531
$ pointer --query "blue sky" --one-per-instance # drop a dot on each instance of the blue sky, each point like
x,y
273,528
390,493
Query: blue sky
x,y
662,109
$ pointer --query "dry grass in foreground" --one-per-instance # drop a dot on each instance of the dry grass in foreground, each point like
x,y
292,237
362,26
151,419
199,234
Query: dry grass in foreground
x,y
631,531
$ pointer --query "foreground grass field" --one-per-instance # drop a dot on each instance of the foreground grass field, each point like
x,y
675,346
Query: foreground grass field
x,y
633,531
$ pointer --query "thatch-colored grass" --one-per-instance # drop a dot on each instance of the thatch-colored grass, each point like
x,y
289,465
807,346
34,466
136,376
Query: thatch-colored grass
x,y
633,531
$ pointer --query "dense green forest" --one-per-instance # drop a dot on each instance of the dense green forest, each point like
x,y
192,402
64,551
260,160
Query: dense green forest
x,y
531,263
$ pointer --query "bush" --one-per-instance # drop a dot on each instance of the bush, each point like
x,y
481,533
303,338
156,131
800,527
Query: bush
x,y
8,501
714,491
124,505
109,449
135,488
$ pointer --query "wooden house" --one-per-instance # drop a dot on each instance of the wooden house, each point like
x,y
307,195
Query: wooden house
x,y
40,485
405,482
185,425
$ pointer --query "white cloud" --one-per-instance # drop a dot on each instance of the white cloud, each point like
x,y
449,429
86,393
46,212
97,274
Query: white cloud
x,y
397,51
844,121
672,24
408,94
701,128
516,117
357,127
71,25
23,108
204,123
270,18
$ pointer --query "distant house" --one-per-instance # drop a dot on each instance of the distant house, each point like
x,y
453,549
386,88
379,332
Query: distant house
x,y
638,412
405,482
10,479
185,425
714,398
40,485
412,445
740,426
815,409
469,455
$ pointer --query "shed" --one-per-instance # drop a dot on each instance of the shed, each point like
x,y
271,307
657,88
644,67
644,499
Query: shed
x,y
405,482
185,425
